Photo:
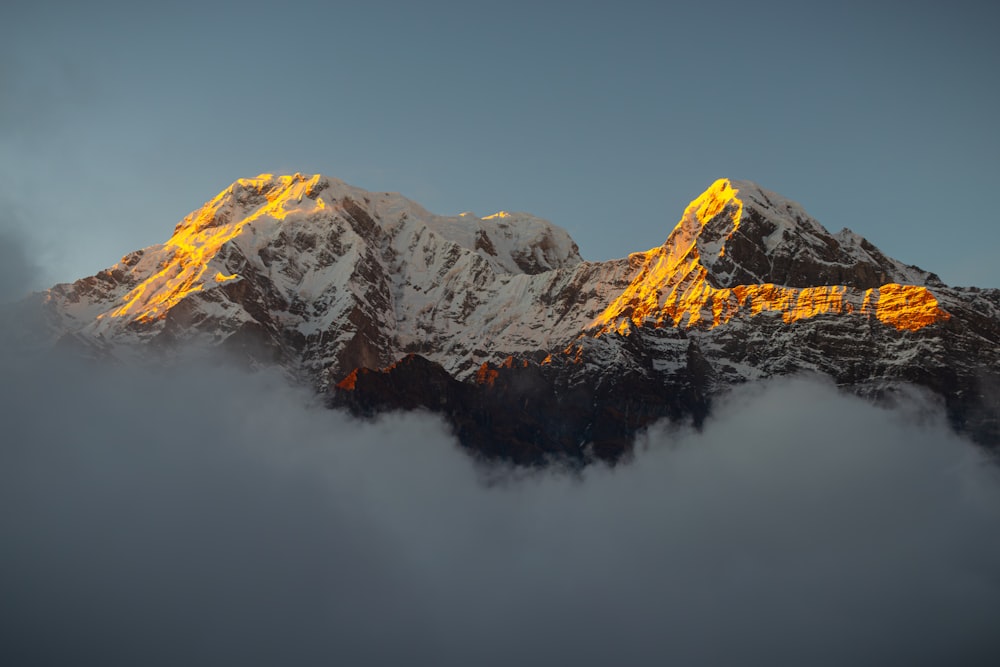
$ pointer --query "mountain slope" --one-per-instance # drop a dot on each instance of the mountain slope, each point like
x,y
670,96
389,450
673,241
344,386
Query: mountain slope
x,y
528,350
310,270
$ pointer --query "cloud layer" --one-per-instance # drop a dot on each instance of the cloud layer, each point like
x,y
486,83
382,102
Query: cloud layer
x,y
210,517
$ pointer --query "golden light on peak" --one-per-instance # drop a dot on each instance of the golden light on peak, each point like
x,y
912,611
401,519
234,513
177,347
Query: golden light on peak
x,y
698,304
711,202
499,215
257,180
200,237
672,288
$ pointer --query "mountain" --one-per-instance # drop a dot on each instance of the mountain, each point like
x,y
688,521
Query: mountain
x,y
498,324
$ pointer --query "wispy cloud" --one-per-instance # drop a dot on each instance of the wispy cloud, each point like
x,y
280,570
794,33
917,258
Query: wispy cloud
x,y
19,273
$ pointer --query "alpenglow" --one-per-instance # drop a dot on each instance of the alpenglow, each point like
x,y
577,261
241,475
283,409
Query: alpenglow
x,y
497,323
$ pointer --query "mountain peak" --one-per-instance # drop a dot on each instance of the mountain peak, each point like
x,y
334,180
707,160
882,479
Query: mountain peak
x,y
741,247
323,278
299,233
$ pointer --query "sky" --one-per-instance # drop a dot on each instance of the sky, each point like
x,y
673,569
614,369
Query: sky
x,y
119,118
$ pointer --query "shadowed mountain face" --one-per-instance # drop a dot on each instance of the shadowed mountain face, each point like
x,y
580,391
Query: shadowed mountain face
x,y
531,353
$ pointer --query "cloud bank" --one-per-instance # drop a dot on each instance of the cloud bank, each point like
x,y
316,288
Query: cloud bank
x,y
205,516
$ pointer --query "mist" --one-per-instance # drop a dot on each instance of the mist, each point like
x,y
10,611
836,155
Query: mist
x,y
18,273
207,516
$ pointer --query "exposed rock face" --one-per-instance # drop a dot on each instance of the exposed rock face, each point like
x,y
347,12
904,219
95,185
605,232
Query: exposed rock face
x,y
732,256
526,412
530,352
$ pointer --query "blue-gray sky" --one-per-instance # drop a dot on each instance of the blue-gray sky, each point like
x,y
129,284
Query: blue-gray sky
x,y
117,119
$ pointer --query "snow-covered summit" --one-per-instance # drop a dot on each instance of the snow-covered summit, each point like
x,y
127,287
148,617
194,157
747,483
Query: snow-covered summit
x,y
748,235
334,273
740,248
512,242
333,276
323,278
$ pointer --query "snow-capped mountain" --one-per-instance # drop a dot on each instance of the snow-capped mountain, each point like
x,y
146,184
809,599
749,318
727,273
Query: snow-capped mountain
x,y
528,350
321,274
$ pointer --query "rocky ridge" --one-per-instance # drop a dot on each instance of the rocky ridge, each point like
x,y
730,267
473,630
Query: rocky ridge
x,y
530,352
